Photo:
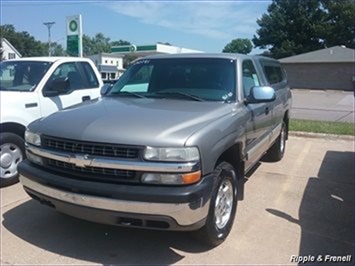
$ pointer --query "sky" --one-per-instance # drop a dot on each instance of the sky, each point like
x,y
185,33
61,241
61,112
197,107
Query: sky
x,y
202,25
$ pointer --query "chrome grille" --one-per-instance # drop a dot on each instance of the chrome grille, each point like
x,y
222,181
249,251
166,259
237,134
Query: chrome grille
x,y
92,173
96,149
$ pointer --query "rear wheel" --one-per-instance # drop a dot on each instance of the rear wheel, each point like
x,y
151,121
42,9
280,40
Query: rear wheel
x,y
277,150
222,206
12,149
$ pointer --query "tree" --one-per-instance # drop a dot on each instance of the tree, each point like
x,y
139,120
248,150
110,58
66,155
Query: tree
x,y
165,43
119,43
339,23
57,49
128,59
23,41
241,46
99,44
95,45
292,27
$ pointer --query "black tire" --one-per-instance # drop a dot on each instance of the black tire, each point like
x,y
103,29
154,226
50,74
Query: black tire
x,y
277,150
9,174
214,233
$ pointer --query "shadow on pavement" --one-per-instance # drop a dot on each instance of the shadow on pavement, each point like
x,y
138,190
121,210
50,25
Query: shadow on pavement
x,y
326,214
97,243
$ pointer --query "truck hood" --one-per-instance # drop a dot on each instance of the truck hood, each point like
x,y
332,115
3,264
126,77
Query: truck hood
x,y
132,121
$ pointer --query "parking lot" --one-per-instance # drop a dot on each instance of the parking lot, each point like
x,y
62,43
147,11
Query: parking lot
x,y
323,105
303,205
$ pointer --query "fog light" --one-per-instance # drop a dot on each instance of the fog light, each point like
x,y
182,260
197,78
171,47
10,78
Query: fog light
x,y
34,158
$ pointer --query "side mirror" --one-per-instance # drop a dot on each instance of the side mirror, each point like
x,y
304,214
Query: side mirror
x,y
57,87
261,94
105,88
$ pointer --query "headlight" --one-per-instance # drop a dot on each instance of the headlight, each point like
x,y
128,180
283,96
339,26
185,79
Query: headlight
x,y
32,138
172,154
171,179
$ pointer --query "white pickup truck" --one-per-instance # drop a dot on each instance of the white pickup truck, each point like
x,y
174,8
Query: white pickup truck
x,y
35,87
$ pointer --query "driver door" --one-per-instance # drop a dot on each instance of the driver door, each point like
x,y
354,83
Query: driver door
x,y
79,90
259,127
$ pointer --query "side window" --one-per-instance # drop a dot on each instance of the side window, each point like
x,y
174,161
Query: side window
x,y
274,74
89,75
250,77
70,71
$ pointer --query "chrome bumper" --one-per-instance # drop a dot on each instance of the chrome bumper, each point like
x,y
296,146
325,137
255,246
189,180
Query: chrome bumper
x,y
114,163
181,213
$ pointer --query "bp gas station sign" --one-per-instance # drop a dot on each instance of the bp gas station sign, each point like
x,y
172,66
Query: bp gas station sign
x,y
74,35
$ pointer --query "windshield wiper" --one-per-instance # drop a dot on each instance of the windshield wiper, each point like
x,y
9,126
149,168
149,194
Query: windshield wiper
x,y
129,93
185,95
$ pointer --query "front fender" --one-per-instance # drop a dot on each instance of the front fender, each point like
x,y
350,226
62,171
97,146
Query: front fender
x,y
219,136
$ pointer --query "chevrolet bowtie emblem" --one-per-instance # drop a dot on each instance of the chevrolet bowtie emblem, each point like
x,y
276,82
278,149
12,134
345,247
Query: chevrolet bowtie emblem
x,y
80,160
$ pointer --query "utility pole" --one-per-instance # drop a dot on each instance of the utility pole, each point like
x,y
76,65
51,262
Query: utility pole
x,y
49,26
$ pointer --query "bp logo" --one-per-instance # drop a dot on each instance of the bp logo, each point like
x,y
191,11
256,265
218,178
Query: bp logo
x,y
73,25
133,48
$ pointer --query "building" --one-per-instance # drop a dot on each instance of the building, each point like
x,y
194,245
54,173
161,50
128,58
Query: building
x,y
109,65
8,51
330,68
144,50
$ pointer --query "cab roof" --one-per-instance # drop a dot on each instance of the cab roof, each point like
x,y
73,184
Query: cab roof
x,y
206,55
51,59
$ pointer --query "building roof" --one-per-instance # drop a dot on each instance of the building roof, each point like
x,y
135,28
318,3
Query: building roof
x,y
107,55
336,54
143,50
10,45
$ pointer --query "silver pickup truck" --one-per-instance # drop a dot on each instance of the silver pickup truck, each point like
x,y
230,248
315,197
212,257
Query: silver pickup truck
x,y
166,147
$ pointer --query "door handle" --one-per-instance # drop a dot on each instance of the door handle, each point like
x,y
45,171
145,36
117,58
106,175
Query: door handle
x,y
86,98
267,110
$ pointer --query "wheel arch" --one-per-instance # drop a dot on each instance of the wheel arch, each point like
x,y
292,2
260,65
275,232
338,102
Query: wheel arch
x,y
15,128
234,156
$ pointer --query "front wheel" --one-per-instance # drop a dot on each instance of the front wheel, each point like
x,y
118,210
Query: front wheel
x,y
223,206
12,149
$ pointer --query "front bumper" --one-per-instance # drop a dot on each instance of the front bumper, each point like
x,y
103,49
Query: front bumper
x,y
171,208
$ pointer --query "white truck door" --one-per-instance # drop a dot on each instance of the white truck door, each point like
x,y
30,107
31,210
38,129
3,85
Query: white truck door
x,y
81,87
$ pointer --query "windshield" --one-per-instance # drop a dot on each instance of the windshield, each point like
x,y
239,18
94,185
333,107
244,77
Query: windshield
x,y
202,79
21,75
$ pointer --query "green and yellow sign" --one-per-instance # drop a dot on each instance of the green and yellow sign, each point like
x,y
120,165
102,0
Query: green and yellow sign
x,y
74,36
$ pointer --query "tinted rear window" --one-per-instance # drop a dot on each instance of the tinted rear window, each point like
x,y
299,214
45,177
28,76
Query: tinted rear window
x,y
274,74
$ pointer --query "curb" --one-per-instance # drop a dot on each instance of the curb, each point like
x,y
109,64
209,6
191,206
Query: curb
x,y
320,135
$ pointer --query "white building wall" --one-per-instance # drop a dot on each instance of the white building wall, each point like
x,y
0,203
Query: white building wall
x,y
8,51
169,49
111,61
105,60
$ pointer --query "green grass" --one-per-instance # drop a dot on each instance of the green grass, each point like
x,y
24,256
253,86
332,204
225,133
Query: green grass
x,y
337,128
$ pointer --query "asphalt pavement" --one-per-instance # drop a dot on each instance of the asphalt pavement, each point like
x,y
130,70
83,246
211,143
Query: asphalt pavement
x,y
301,206
323,105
